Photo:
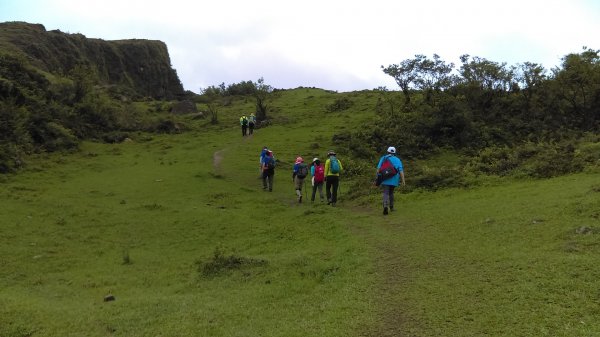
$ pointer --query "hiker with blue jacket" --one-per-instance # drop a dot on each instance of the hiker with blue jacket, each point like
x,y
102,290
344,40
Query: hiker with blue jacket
x,y
390,173
268,170
333,167
299,173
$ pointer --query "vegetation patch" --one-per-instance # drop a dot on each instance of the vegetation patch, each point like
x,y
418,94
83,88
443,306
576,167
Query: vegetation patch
x,y
220,263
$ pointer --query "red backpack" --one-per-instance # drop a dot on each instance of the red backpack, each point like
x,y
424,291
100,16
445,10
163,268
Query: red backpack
x,y
319,173
387,169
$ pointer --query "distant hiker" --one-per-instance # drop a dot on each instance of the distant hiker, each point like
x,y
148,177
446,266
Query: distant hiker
x,y
317,171
263,153
389,173
333,167
251,123
268,170
244,124
299,173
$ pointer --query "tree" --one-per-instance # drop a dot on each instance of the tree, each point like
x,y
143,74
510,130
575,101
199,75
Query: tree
x,y
529,77
214,96
579,84
488,75
261,93
433,75
421,73
404,74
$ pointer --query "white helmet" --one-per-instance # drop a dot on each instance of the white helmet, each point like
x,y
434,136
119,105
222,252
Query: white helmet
x,y
391,149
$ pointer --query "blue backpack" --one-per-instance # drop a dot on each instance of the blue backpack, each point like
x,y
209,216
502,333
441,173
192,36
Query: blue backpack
x,y
334,165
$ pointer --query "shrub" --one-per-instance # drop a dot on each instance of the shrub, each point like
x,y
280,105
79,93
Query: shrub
x,y
339,104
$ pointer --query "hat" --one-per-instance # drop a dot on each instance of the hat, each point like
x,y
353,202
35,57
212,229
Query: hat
x,y
391,149
315,159
299,160
331,153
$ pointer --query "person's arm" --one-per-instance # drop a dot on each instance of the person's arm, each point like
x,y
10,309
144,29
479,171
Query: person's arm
x,y
379,164
403,182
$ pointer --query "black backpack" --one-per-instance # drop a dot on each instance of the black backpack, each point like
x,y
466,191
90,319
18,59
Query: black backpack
x,y
302,171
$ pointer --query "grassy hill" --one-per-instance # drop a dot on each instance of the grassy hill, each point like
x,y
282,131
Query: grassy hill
x,y
178,230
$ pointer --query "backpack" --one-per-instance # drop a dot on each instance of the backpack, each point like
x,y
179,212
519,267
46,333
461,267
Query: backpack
x,y
387,169
244,121
334,165
319,173
302,171
270,163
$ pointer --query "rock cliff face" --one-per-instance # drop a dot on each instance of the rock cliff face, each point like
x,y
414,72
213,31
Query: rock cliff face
x,y
142,67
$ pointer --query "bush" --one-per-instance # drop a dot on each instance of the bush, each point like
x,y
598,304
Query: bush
x,y
340,104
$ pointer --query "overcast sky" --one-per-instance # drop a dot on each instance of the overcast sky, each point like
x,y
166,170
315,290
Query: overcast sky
x,y
329,44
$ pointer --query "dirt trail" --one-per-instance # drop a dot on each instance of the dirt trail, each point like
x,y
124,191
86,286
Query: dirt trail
x,y
391,318
217,159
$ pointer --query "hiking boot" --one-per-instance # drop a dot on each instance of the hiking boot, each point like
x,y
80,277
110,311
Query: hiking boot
x,y
385,211
391,208
333,204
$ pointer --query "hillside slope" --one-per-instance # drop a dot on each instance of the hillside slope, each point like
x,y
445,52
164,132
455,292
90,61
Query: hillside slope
x,y
143,66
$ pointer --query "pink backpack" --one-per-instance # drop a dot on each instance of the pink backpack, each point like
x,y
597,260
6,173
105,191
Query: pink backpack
x,y
319,173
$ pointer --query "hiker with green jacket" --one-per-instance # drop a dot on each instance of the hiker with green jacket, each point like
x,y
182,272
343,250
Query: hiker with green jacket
x,y
244,124
333,167
251,123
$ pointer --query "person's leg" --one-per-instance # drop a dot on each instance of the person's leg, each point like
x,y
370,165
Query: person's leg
x,y
271,182
328,190
392,198
264,179
314,192
386,198
335,185
298,187
320,187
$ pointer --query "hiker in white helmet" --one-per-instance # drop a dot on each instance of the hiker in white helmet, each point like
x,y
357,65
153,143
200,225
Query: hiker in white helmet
x,y
390,173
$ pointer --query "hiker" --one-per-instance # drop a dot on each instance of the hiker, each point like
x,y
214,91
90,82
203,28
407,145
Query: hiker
x,y
268,170
333,167
251,123
317,171
299,173
263,153
244,124
389,174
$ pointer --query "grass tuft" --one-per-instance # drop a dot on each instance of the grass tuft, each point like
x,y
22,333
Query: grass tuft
x,y
220,263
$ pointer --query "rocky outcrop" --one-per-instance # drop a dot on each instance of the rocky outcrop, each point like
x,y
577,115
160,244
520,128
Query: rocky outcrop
x,y
141,67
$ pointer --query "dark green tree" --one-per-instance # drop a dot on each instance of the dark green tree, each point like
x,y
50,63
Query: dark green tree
x,y
261,93
578,84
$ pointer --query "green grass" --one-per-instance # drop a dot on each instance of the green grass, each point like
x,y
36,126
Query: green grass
x,y
509,260
188,248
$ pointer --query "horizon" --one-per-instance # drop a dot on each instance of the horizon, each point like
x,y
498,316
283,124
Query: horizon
x,y
336,45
